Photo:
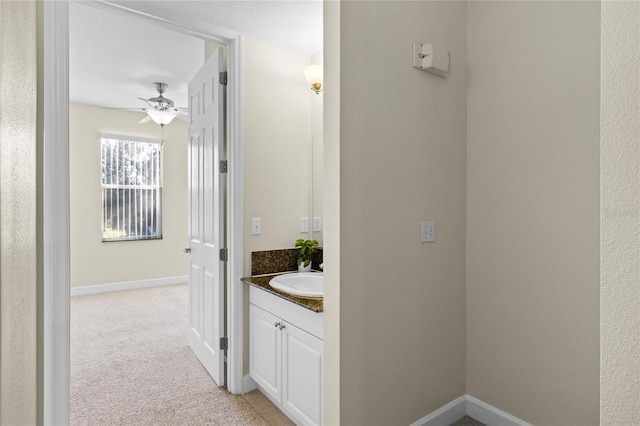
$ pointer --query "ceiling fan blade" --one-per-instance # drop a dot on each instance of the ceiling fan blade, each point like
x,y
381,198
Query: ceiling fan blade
x,y
128,109
180,111
145,120
151,104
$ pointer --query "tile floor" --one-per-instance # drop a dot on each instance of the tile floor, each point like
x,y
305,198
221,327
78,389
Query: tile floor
x,y
265,407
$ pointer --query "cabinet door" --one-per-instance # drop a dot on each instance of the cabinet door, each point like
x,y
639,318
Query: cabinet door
x,y
302,375
265,351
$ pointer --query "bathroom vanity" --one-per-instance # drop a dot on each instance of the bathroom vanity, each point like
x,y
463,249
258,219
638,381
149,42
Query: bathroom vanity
x,y
286,350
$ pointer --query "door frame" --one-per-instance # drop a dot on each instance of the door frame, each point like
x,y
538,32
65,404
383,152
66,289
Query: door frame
x,y
55,181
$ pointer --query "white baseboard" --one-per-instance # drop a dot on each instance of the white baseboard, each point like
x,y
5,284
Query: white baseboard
x,y
473,407
445,415
248,384
127,285
490,415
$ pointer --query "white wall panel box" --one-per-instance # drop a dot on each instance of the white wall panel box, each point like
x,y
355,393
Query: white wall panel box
x,y
430,59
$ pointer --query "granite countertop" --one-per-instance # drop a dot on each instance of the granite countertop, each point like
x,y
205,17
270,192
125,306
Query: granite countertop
x,y
262,282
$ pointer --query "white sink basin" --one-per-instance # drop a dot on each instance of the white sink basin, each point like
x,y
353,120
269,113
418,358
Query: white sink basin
x,y
303,284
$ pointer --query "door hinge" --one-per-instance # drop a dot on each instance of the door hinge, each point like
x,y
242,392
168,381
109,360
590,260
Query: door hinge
x,y
224,343
223,78
224,166
224,256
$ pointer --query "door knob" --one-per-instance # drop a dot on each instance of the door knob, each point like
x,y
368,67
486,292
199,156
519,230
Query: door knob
x,y
187,249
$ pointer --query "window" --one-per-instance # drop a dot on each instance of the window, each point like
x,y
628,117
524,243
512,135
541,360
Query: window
x,y
131,188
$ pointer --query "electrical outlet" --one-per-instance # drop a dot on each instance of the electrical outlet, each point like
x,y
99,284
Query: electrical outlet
x,y
304,224
256,226
317,224
427,232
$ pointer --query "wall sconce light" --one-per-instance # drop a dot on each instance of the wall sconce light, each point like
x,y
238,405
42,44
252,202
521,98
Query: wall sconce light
x,y
313,74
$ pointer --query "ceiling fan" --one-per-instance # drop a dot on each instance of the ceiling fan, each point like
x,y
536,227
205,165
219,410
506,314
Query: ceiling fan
x,y
161,110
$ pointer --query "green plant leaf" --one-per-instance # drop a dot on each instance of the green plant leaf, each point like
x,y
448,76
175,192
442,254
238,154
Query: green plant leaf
x,y
305,250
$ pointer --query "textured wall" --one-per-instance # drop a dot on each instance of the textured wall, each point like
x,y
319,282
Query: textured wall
x,y
18,101
402,160
40,207
95,262
533,217
620,215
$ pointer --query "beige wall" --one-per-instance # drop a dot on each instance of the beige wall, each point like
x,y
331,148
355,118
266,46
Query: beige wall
x,y
95,262
18,244
533,217
620,211
331,213
276,143
402,161
317,101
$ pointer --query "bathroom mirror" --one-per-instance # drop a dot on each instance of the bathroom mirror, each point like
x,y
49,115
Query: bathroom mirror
x,y
317,168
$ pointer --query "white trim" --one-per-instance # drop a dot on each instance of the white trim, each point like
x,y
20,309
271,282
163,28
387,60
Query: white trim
x,y
56,198
86,290
445,415
490,415
56,214
473,407
235,293
248,384
129,138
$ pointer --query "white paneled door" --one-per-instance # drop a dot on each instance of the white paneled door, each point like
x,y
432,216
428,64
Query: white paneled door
x,y
206,217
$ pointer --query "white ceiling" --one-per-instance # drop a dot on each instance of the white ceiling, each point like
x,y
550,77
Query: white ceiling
x,y
113,59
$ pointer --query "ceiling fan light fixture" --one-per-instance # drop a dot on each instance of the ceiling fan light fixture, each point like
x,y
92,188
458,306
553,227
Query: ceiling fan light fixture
x,y
161,117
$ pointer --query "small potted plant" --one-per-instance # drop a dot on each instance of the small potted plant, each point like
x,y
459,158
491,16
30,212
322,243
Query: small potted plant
x,y
304,251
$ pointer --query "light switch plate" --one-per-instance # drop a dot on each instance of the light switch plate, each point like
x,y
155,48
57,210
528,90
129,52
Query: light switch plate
x,y
427,232
304,224
256,226
317,224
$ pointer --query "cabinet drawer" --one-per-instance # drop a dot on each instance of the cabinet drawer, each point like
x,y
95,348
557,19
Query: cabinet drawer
x,y
311,322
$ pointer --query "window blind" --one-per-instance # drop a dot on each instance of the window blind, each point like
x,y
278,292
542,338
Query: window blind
x,y
131,188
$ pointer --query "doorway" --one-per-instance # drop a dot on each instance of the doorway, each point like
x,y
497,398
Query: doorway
x,y
129,180
56,204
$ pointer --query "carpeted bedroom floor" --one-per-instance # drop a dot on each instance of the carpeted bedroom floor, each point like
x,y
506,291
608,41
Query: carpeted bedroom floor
x,y
130,365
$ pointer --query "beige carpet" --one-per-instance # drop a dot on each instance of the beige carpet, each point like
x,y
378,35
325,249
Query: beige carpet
x,y
130,365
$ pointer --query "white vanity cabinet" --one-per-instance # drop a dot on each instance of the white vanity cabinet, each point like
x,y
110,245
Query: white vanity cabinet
x,y
285,355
